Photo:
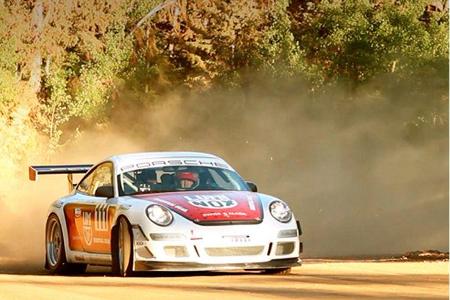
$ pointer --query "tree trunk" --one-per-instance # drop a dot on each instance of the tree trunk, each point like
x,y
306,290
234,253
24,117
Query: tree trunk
x,y
36,62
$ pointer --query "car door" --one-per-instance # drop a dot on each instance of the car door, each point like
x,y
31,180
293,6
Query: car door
x,y
89,217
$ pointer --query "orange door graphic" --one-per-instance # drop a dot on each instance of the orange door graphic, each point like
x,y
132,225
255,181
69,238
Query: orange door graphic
x,y
89,226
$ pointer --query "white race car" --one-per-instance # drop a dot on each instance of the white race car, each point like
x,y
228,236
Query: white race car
x,y
167,211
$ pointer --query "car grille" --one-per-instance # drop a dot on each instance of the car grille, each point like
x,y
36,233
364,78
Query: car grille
x,y
234,251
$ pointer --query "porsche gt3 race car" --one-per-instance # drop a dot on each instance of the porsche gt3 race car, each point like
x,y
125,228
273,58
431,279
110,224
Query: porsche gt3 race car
x,y
166,211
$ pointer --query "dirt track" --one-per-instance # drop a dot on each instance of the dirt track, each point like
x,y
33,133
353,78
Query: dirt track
x,y
314,280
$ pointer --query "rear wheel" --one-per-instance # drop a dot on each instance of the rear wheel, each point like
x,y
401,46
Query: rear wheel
x,y
55,254
122,248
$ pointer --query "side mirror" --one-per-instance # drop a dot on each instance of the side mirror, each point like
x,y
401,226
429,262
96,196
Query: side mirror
x,y
105,191
252,186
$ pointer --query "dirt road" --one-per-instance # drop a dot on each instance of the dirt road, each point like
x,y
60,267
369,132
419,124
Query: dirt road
x,y
314,280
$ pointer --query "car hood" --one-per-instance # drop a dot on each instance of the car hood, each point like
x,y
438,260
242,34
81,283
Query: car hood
x,y
211,207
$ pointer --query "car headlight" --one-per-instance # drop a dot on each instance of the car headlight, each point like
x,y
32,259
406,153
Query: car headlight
x,y
159,215
280,211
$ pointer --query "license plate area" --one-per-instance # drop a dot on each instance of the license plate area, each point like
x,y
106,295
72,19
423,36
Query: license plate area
x,y
240,239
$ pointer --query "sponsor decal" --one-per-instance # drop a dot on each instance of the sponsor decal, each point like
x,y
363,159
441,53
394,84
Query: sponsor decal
x,y
225,214
212,214
101,240
143,165
183,209
211,201
77,212
87,227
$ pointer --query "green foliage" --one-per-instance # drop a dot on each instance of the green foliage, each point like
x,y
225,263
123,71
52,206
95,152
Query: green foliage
x,y
55,111
8,43
280,53
8,64
356,40
19,140
98,78
85,51
8,92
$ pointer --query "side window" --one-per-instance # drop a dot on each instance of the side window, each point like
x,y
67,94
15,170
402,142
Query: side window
x,y
85,184
101,176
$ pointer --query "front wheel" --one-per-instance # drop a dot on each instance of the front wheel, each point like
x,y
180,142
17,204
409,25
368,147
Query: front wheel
x,y
122,248
55,254
281,271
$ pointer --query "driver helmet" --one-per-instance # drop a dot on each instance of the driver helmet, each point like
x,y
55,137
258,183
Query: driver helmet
x,y
187,180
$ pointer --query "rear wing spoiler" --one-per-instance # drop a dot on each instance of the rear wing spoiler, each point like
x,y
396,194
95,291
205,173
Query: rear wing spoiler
x,y
34,171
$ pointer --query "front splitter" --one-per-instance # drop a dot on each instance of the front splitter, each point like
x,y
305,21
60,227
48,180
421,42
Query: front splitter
x,y
189,266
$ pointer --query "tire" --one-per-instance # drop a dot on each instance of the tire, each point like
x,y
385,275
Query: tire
x,y
282,271
122,248
55,254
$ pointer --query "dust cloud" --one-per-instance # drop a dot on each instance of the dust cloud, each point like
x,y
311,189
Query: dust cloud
x,y
358,185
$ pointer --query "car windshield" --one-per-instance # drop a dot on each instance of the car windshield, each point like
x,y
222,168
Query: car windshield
x,y
179,178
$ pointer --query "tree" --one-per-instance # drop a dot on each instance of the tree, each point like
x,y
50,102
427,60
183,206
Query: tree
x,y
199,43
356,40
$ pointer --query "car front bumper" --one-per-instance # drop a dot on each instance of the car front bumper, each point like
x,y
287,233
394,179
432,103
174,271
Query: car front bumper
x,y
191,266
213,248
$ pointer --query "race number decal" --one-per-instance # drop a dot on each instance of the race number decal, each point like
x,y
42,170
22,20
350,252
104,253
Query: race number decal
x,y
211,201
101,219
